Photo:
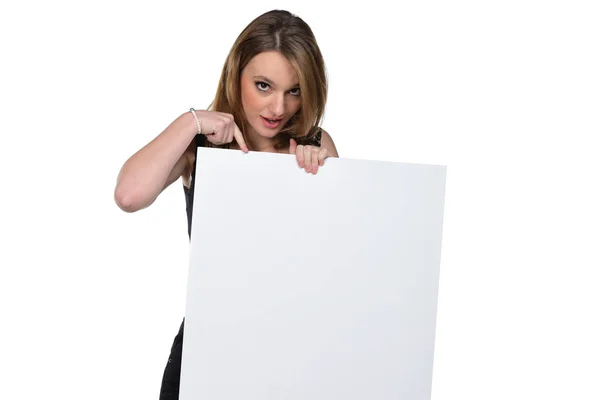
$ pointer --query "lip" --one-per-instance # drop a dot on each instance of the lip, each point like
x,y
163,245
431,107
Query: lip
x,y
271,125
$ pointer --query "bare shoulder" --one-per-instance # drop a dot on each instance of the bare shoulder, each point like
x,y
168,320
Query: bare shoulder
x,y
327,142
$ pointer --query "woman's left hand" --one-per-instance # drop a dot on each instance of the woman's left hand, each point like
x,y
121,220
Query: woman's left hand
x,y
309,157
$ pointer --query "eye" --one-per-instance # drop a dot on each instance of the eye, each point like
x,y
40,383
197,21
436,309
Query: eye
x,y
295,92
262,86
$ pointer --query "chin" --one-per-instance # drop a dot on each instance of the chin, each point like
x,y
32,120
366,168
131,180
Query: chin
x,y
270,133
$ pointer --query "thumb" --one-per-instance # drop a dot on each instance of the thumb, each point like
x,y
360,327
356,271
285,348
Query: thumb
x,y
293,146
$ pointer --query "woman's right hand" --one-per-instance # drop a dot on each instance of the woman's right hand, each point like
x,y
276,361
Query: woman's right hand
x,y
220,128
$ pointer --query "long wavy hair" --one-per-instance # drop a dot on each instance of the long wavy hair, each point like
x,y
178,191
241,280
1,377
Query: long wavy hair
x,y
282,31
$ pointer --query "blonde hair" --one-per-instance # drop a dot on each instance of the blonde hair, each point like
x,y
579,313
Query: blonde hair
x,y
281,31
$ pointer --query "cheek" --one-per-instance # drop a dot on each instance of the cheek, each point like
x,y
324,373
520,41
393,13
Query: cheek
x,y
250,99
295,106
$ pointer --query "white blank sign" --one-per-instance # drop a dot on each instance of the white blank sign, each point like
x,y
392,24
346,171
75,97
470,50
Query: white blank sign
x,y
315,287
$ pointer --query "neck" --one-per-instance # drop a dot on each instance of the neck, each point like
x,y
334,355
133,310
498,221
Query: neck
x,y
259,143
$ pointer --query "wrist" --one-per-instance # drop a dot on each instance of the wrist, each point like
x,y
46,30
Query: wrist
x,y
194,123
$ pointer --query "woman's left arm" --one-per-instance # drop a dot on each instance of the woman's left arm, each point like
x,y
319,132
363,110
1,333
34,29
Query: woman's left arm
x,y
327,143
312,157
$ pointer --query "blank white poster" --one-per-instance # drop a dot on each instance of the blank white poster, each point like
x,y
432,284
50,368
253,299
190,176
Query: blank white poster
x,y
309,286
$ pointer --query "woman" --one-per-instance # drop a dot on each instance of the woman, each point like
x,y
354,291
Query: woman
x,y
271,97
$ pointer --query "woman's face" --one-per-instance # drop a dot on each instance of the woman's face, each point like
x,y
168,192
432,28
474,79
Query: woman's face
x,y
270,93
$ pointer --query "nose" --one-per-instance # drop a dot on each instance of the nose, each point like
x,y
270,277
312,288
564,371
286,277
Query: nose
x,y
277,106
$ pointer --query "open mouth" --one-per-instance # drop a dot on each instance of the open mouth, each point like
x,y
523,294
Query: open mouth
x,y
271,123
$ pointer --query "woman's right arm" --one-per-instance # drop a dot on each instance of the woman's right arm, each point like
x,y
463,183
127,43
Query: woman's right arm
x,y
156,165
162,161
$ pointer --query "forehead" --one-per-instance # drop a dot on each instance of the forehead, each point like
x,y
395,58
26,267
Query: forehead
x,y
274,66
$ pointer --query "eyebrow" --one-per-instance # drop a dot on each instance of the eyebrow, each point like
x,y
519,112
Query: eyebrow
x,y
270,82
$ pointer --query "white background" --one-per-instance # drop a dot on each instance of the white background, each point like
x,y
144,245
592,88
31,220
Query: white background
x,y
506,94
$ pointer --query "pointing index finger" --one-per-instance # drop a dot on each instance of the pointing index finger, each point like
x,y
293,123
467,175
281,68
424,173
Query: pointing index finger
x,y
239,137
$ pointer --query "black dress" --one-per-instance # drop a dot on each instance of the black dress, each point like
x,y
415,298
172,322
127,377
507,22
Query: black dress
x,y
169,389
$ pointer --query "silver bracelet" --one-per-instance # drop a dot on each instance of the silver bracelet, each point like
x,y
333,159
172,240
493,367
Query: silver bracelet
x,y
198,124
